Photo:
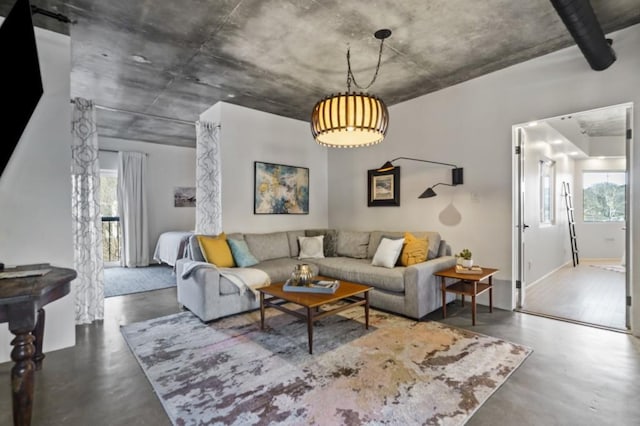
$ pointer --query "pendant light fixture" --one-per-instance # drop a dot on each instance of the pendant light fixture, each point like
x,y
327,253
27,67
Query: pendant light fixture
x,y
350,119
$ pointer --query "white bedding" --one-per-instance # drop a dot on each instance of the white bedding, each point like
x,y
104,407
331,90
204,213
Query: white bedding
x,y
170,246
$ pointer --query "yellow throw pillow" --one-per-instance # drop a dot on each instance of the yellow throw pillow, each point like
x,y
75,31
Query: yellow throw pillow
x,y
216,250
415,250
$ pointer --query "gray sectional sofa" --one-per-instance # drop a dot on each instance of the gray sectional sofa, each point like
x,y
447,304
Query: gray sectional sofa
x,y
411,291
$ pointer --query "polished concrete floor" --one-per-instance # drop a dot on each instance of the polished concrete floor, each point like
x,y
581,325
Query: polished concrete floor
x,y
577,375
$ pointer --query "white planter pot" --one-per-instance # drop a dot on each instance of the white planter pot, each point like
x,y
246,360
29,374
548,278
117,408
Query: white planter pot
x,y
466,263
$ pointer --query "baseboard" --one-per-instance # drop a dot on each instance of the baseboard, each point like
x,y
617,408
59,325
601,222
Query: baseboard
x,y
547,275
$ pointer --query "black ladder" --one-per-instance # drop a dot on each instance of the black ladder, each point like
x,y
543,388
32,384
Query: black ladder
x,y
572,223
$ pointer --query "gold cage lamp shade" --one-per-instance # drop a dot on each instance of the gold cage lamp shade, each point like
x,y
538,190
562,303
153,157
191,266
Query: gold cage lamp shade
x,y
349,120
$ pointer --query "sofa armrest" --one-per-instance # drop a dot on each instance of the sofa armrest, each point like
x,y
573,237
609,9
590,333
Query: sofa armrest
x,y
199,290
422,288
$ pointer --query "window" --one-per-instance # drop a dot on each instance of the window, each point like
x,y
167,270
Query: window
x,y
109,213
547,192
603,196
108,193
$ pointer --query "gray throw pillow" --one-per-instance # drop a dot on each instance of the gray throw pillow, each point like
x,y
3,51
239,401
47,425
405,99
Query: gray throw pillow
x,y
330,240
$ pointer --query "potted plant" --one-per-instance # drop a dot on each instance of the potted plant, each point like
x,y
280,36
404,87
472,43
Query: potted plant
x,y
464,258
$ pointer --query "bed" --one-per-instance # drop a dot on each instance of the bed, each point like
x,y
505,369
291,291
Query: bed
x,y
170,247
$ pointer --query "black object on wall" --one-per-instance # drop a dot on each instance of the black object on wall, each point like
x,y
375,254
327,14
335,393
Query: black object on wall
x,y
582,23
20,76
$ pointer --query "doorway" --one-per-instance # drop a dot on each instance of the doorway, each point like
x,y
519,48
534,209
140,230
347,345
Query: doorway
x,y
570,208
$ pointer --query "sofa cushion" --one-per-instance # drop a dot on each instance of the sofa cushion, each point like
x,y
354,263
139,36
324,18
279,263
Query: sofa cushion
x,y
376,236
330,240
311,247
193,249
433,237
353,244
414,251
268,246
216,250
388,252
361,271
294,248
241,253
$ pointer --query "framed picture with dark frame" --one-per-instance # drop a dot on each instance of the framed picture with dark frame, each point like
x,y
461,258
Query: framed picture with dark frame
x,y
384,188
280,189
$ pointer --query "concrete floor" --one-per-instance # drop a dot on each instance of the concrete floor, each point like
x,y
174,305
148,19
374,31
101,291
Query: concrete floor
x,y
576,375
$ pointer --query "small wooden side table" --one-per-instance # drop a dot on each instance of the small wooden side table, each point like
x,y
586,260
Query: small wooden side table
x,y
467,285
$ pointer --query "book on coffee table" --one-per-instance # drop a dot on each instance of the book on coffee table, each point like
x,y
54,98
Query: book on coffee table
x,y
315,286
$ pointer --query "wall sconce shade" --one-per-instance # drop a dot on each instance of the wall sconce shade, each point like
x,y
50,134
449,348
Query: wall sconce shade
x,y
457,174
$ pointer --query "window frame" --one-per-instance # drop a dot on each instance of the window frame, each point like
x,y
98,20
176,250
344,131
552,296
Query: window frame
x,y
547,199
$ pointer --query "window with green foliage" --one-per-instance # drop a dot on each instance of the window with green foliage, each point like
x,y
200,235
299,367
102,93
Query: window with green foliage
x,y
108,194
603,196
547,193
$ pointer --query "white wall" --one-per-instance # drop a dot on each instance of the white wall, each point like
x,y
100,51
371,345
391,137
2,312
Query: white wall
x,y
597,240
470,125
167,167
35,190
248,135
546,246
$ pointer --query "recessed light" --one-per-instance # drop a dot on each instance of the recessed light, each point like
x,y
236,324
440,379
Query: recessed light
x,y
556,142
231,95
532,124
573,153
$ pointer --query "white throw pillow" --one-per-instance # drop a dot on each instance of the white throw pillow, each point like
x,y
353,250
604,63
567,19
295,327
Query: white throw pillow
x,y
388,252
311,247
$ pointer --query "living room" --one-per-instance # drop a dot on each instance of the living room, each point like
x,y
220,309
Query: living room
x,y
468,124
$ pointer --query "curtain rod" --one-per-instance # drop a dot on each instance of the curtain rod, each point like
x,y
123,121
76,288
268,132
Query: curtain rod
x,y
144,114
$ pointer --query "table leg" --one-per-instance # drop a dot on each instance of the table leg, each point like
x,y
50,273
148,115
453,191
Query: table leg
x,y
38,334
473,310
491,294
261,311
443,287
22,378
310,328
462,297
366,310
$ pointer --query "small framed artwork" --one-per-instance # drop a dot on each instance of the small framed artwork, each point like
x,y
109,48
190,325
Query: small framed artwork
x,y
384,188
280,189
184,196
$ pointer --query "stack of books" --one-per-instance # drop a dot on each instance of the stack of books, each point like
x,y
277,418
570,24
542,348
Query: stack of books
x,y
473,270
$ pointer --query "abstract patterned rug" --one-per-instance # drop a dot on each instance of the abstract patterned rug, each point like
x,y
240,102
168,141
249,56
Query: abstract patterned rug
x,y
398,372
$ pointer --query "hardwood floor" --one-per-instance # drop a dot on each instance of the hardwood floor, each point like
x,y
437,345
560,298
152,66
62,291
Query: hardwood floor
x,y
591,293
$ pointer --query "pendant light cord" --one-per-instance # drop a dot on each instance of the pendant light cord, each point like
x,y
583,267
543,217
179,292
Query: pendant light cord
x,y
352,79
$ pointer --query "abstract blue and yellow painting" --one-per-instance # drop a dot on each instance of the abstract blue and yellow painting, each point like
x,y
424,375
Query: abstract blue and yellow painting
x,y
281,189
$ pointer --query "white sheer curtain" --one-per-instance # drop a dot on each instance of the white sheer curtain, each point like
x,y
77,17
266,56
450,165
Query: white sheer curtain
x,y
132,209
87,226
208,179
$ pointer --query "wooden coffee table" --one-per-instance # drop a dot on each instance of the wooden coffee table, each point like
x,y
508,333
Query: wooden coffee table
x,y
347,292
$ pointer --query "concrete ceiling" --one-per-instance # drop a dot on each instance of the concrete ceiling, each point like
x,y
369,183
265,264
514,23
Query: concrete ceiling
x,y
177,58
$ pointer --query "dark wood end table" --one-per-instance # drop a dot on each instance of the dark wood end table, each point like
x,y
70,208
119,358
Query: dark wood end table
x,y
21,303
347,291
467,285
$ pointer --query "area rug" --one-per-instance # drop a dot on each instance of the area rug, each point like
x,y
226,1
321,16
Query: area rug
x,y
399,372
120,281
607,267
